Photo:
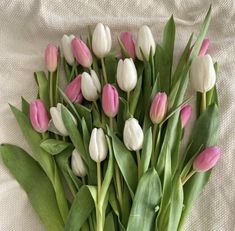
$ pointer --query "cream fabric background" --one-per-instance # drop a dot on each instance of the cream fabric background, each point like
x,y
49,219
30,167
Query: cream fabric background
x,y
27,26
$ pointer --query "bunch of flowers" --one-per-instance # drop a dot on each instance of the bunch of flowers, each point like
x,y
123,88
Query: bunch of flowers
x,y
114,134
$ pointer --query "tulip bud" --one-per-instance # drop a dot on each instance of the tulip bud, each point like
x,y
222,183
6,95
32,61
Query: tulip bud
x,y
90,85
185,114
202,74
207,159
158,108
58,121
133,135
101,40
81,52
66,44
51,54
145,42
98,148
204,47
110,100
73,90
128,42
38,116
77,164
126,75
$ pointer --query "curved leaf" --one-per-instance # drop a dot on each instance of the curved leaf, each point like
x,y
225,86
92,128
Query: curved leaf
x,y
53,146
36,184
146,199
82,206
125,162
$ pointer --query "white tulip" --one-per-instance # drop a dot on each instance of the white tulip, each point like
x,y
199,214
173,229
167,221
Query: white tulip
x,y
98,148
101,40
77,164
202,74
133,135
126,75
90,86
145,42
58,121
67,48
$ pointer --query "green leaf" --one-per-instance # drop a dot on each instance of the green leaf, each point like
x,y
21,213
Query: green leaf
x,y
25,107
196,47
70,104
111,67
42,82
92,179
146,152
176,205
168,41
205,132
35,183
74,134
124,51
182,61
125,162
109,223
135,96
63,161
86,113
67,70
108,175
53,146
146,199
162,219
83,205
45,159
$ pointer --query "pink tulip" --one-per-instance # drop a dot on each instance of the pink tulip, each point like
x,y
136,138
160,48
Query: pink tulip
x,y
81,52
204,47
158,107
128,42
51,55
38,116
207,159
185,114
73,90
110,100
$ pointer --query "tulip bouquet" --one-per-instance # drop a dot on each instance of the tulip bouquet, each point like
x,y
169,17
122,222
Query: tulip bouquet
x,y
107,149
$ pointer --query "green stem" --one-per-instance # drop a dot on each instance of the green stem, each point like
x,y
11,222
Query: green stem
x,y
154,157
96,106
188,177
128,97
111,123
104,70
51,89
75,68
138,163
99,226
203,101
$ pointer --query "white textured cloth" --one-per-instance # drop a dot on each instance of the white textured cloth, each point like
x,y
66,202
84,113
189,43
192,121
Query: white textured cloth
x,y
27,26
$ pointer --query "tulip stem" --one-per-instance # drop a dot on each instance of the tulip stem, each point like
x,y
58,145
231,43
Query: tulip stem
x,y
75,68
188,177
128,97
138,163
154,155
96,106
51,89
111,123
203,101
104,70
99,226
